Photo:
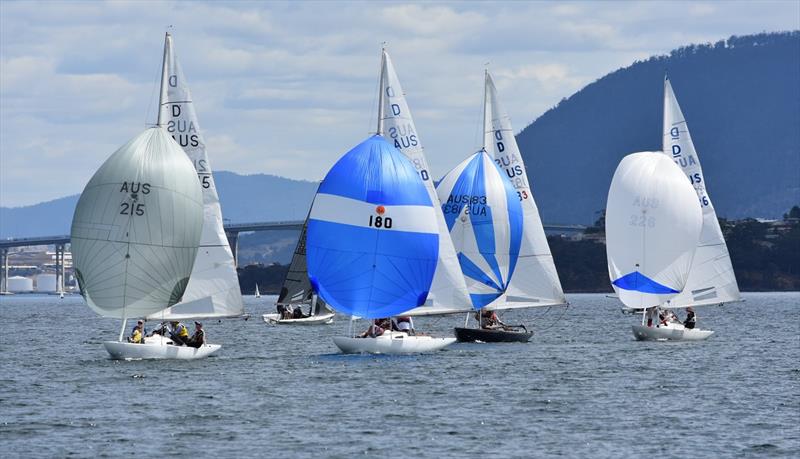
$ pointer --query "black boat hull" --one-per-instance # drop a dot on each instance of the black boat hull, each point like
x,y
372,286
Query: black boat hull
x,y
470,335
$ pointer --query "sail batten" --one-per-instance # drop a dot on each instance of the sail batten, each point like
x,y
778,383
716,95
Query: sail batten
x,y
712,273
213,289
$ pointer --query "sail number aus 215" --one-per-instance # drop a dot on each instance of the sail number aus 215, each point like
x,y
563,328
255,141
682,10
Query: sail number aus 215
x,y
131,208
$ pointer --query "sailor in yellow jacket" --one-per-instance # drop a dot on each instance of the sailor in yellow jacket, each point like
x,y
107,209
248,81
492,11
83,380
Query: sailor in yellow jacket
x,y
137,334
179,333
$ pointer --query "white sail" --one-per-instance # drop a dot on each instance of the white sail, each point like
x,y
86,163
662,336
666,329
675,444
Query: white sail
x,y
711,280
213,289
136,228
448,293
652,227
535,281
257,294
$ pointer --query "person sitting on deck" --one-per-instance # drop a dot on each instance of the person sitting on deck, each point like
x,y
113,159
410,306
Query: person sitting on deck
x,y
489,320
376,329
298,313
137,334
691,319
403,324
179,334
198,338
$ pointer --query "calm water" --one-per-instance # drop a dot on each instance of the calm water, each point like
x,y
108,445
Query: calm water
x,y
581,387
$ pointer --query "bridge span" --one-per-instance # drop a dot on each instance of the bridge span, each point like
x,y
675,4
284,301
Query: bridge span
x,y
232,230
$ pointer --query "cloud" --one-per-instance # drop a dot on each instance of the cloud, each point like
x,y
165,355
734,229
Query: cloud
x,y
285,88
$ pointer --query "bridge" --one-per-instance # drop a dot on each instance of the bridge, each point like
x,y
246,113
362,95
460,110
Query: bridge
x,y
232,230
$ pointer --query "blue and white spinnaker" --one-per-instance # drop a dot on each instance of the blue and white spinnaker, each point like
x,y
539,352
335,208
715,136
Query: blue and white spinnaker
x,y
653,223
484,216
372,241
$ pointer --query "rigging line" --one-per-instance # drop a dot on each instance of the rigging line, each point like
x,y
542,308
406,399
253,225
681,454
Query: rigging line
x,y
156,83
557,319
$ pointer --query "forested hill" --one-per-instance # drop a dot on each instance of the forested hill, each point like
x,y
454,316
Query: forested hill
x,y
741,100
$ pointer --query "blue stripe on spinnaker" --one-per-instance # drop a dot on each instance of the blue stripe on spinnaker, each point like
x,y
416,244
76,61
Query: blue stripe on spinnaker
x,y
375,171
369,272
516,220
480,300
472,270
638,282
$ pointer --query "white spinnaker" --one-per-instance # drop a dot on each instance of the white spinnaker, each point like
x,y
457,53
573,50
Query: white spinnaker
x,y
448,292
653,224
712,279
535,281
213,289
136,228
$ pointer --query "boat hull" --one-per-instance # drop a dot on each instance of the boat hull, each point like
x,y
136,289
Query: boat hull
x,y
157,348
391,343
321,319
471,335
671,332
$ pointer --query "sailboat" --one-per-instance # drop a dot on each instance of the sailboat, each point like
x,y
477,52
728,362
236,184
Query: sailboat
x,y
653,225
535,282
135,235
372,244
296,292
257,294
213,290
711,279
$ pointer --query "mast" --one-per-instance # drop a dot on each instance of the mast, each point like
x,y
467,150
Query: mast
x,y
381,90
485,104
162,95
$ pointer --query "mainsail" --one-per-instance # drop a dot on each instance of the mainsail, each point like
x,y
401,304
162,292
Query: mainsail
x,y
711,280
296,289
535,282
449,292
213,289
484,219
652,228
372,240
136,228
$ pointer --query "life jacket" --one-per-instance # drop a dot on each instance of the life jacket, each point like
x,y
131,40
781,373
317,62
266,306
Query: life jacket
x,y
136,336
181,331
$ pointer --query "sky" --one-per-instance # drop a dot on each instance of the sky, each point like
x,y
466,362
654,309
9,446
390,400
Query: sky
x,y
287,88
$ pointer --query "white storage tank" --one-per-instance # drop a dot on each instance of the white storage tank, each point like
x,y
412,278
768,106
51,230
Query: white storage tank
x,y
46,283
18,284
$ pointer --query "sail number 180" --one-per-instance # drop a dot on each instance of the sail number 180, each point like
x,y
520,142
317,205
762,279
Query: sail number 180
x,y
380,222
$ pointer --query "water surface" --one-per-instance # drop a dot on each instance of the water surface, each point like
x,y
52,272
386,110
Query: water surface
x,y
581,388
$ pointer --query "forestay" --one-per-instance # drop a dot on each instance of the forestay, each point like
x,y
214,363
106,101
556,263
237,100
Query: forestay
x,y
535,281
484,217
652,228
136,228
448,292
213,289
372,241
712,279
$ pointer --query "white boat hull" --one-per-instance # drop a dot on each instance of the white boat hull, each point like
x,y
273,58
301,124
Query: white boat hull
x,y
156,347
321,319
391,343
670,332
